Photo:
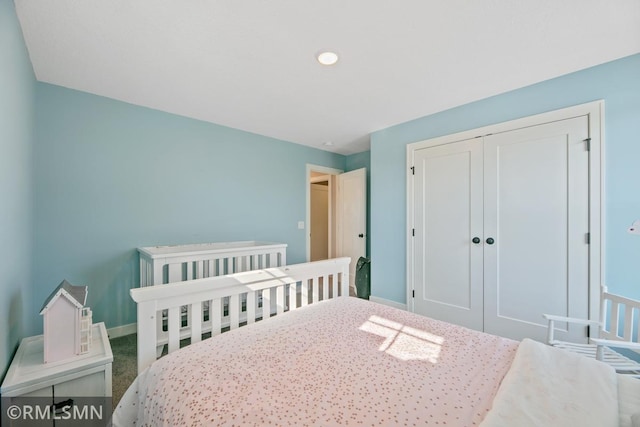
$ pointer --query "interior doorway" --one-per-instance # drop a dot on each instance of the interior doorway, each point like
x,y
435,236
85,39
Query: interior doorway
x,y
319,225
321,212
338,228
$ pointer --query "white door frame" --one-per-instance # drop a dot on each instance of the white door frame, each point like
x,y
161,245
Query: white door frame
x,y
595,112
307,229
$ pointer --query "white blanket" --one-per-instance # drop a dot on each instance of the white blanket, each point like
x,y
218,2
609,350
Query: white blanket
x,y
629,401
550,387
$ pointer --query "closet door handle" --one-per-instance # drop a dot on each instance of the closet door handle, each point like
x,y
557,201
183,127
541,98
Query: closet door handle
x,y
490,241
476,240
361,235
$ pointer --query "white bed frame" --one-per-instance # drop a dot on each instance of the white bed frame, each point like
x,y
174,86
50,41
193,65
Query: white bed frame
x,y
178,263
294,286
167,264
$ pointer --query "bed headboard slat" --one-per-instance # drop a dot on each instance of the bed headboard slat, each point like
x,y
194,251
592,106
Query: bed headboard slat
x,y
195,320
215,316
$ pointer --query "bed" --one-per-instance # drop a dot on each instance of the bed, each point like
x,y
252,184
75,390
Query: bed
x,y
329,359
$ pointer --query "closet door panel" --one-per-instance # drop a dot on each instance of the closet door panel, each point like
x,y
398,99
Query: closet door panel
x,y
448,214
536,210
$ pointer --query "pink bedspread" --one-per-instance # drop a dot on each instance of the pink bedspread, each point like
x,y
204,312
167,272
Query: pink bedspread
x,y
341,362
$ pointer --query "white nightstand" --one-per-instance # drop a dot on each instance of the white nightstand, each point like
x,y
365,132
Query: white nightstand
x,y
87,375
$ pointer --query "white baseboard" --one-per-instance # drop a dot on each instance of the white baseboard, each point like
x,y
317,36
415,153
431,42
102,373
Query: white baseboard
x,y
121,331
388,302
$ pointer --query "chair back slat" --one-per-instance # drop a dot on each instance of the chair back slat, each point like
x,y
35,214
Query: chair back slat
x,y
620,318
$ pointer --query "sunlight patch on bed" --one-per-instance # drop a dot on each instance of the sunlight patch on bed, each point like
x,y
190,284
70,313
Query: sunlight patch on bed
x,y
404,342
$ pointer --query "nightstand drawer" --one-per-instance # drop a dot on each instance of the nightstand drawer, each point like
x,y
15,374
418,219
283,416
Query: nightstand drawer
x,y
88,385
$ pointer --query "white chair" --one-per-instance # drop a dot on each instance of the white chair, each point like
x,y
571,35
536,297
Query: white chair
x,y
618,325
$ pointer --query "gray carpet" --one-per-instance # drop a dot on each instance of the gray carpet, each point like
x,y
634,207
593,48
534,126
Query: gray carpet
x,y
124,368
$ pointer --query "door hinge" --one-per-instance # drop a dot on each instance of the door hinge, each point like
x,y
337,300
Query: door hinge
x,y
414,293
413,170
588,331
413,232
588,142
588,238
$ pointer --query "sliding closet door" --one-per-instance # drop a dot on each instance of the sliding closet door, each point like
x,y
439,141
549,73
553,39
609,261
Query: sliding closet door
x,y
536,220
447,216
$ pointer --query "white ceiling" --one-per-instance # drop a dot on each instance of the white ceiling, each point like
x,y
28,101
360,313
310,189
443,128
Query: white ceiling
x,y
250,64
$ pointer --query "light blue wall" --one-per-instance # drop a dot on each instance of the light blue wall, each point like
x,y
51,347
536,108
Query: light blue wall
x,y
617,82
111,177
17,84
358,161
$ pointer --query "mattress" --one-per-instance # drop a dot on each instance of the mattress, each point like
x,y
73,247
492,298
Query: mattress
x,y
343,361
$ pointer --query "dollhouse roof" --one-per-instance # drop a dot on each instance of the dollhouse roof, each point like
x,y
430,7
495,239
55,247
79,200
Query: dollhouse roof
x,y
77,295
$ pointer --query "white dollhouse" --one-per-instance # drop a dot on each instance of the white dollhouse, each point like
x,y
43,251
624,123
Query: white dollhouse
x,y
67,323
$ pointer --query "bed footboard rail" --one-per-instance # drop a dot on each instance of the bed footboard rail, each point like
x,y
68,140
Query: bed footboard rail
x,y
267,291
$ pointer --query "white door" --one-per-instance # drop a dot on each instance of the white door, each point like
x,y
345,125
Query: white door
x,y
523,196
352,217
536,210
447,216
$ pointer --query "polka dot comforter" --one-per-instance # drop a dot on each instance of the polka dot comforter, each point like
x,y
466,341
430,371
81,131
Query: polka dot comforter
x,y
343,362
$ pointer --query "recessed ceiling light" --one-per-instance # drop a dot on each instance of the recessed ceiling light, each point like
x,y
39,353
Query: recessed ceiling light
x,y
327,58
